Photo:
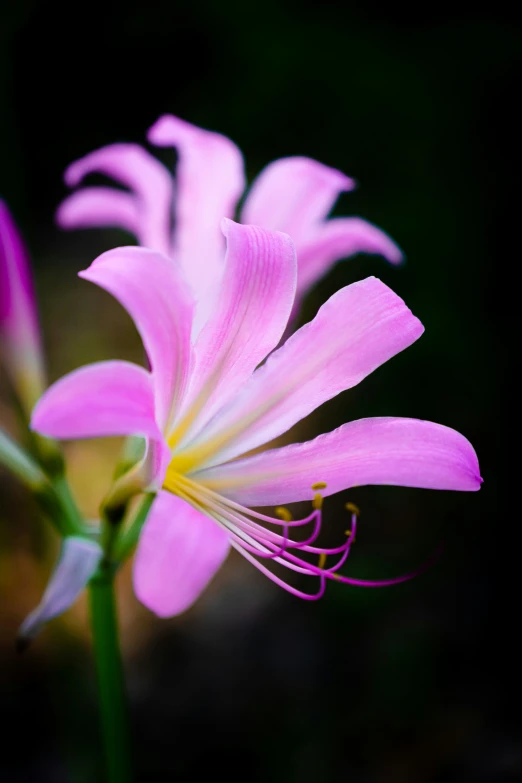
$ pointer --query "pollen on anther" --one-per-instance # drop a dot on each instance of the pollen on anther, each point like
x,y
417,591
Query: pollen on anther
x,y
283,513
317,502
353,508
319,485
322,560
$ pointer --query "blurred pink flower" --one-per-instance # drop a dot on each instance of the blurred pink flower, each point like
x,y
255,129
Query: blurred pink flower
x,y
293,195
206,403
19,333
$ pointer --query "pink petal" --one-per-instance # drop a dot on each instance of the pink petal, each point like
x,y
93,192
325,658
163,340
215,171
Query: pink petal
x,y
403,452
19,333
179,552
209,181
340,238
107,398
359,328
293,195
153,291
100,206
255,299
145,212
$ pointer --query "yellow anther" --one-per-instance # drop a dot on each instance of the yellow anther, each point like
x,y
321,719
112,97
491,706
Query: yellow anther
x,y
353,508
317,502
283,513
336,576
348,533
319,485
322,560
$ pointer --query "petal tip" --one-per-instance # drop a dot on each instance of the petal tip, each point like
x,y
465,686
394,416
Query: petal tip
x,y
37,421
73,174
391,250
158,133
63,216
226,225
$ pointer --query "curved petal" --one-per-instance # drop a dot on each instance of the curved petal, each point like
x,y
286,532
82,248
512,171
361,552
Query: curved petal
x,y
153,291
256,297
340,238
359,328
99,206
78,561
19,332
179,552
209,181
152,192
293,195
403,452
103,399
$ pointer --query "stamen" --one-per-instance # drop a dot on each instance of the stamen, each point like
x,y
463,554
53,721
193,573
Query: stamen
x,y
281,582
256,542
317,502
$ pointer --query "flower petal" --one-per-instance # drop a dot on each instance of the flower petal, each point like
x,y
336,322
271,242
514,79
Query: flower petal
x,y
19,332
293,195
153,291
100,206
209,181
359,328
179,552
340,238
403,452
78,561
103,399
146,212
255,300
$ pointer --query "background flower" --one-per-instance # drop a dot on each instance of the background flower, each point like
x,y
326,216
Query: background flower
x,y
20,343
179,214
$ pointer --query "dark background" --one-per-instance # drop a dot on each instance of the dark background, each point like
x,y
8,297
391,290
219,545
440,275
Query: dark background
x,y
412,684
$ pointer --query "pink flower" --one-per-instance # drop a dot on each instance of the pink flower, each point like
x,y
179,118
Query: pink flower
x,y
208,401
293,195
19,333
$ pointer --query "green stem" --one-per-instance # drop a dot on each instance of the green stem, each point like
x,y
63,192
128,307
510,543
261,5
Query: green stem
x,y
129,537
19,462
111,688
72,519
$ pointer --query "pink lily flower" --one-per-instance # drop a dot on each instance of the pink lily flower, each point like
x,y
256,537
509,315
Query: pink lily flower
x,y
207,402
293,195
19,333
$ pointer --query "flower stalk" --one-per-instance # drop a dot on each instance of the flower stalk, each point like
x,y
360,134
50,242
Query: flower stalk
x,y
128,538
110,676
